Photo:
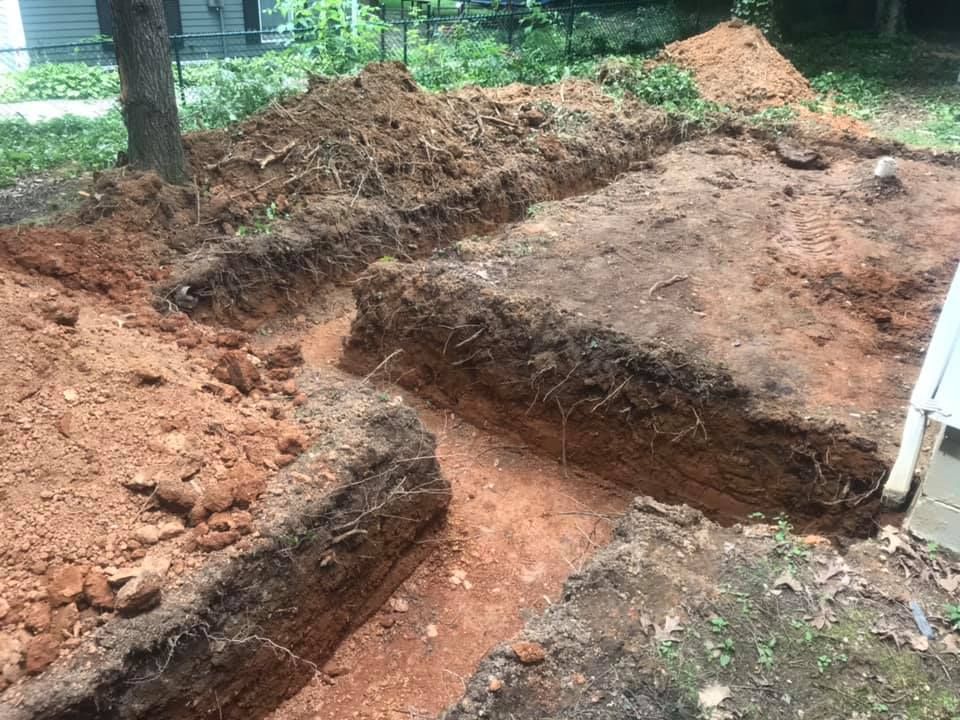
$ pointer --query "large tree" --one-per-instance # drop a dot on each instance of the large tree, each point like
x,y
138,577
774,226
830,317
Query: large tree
x,y
147,94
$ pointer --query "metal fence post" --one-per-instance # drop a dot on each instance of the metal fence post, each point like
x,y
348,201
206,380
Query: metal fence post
x,y
405,42
383,31
569,30
176,55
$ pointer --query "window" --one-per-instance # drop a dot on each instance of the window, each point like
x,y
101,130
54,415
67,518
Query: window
x,y
171,10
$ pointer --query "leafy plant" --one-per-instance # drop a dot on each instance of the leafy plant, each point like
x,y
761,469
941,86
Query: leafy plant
x,y
953,616
327,35
765,656
718,625
61,81
757,12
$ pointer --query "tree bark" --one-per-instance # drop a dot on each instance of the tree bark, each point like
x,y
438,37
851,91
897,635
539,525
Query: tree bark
x,y
147,95
891,18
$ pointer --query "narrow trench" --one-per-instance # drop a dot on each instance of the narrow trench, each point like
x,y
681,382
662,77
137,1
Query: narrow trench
x,y
518,525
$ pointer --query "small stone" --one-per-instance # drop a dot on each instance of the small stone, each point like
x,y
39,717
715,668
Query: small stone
x,y
431,631
71,395
214,540
4,608
142,481
96,589
495,684
529,653
63,620
399,605
241,521
143,592
170,529
46,495
235,368
144,375
289,388
11,650
66,585
387,622
42,650
121,577
147,534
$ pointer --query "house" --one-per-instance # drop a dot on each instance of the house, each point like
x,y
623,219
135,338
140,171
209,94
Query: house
x,y
70,29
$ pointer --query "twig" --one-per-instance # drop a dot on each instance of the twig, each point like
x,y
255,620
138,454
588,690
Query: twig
x,y
387,359
498,121
660,284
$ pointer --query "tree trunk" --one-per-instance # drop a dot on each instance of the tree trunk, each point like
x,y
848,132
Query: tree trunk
x,y
147,95
891,18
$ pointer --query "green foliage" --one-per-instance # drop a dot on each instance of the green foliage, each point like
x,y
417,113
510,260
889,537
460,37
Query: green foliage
x,y
61,81
953,616
757,12
326,36
68,142
225,91
666,86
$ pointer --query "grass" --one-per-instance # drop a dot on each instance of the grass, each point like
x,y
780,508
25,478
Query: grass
x,y
905,87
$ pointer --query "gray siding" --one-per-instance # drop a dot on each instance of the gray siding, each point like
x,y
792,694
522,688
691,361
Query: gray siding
x,y
50,22
198,18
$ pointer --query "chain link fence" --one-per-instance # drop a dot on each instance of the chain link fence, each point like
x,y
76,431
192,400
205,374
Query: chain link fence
x,y
428,32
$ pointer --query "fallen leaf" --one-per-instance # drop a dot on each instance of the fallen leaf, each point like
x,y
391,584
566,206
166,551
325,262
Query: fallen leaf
x,y
895,541
788,580
824,619
951,644
834,568
919,643
712,695
951,583
671,625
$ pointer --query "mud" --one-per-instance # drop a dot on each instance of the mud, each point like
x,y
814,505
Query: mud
x,y
337,535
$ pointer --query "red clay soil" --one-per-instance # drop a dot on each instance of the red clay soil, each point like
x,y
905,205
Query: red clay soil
x,y
736,66
118,440
517,526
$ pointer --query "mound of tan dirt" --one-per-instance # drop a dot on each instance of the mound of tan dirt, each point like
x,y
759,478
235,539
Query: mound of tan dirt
x,y
735,65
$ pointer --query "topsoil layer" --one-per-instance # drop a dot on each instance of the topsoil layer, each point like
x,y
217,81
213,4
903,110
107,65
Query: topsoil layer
x,y
752,330
736,66
678,618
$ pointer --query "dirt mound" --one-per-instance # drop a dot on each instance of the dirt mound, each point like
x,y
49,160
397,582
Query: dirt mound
x,y
736,66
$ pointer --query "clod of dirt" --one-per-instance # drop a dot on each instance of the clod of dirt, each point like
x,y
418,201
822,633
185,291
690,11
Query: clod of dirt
x,y
735,65
799,157
66,585
236,369
529,653
285,356
96,590
42,650
143,591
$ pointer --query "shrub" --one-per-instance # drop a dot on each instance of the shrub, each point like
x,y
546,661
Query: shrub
x,y
61,81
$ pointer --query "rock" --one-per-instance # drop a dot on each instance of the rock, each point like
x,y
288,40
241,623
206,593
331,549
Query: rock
x,y
66,585
144,480
235,368
71,395
399,605
170,529
121,577
42,650
176,492
11,650
800,158
147,534
495,684
232,339
387,622
144,375
96,589
529,653
4,608
291,443
285,356
143,591
431,631
218,497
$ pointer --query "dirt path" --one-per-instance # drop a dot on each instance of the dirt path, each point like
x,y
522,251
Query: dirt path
x,y
517,527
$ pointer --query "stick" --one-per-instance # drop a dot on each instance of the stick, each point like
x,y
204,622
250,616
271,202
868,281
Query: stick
x,y
660,284
387,359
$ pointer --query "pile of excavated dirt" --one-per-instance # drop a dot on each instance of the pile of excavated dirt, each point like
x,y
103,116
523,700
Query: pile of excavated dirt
x,y
735,65
322,183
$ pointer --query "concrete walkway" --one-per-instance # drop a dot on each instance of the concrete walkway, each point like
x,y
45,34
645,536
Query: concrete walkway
x,y
38,110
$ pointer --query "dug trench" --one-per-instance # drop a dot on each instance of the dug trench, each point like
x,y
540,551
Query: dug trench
x,y
475,334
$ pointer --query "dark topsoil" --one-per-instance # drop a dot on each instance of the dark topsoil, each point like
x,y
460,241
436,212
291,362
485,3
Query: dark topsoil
x,y
720,328
336,535
679,618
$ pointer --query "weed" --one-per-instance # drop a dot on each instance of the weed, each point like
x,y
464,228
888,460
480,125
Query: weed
x,y
787,545
724,652
765,655
718,625
953,616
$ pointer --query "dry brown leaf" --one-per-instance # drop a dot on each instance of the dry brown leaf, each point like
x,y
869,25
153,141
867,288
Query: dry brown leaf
x,y
823,619
836,567
950,584
920,643
671,625
896,541
712,695
788,580
951,644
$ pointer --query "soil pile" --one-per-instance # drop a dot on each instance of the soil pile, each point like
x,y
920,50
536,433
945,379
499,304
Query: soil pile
x,y
735,65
